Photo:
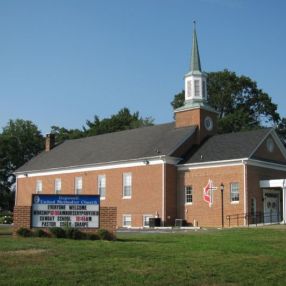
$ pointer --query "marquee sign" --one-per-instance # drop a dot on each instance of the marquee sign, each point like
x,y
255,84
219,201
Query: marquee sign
x,y
208,192
80,211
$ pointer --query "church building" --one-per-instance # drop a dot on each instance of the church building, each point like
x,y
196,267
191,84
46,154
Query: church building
x,y
178,172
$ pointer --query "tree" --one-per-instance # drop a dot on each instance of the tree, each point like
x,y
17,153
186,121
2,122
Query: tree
x,y
62,134
281,130
241,105
19,142
122,120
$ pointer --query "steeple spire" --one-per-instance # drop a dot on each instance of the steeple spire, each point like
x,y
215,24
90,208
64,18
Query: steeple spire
x,y
195,60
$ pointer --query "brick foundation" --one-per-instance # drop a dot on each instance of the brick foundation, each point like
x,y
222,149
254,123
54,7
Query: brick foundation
x,y
22,218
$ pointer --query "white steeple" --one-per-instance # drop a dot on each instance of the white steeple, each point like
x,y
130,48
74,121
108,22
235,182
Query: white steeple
x,y
195,79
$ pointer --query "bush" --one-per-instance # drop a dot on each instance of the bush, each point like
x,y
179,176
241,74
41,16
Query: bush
x,y
105,234
41,233
25,232
58,232
75,233
6,219
92,236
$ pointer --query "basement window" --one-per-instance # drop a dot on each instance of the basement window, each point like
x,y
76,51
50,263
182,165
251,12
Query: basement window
x,y
127,220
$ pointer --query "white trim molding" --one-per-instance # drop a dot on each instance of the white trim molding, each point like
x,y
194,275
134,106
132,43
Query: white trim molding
x,y
158,160
234,162
213,164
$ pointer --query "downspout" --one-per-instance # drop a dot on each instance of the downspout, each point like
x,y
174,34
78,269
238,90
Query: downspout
x,y
245,196
163,191
16,189
284,200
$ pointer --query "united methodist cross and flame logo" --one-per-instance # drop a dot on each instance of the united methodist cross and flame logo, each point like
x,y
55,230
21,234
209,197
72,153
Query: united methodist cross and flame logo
x,y
208,192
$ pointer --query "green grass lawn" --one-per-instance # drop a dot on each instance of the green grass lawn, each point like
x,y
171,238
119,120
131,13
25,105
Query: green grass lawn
x,y
228,257
5,230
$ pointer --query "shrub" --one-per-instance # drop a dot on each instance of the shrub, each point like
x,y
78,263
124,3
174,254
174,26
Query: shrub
x,y
41,233
25,232
6,219
75,233
92,236
58,232
105,234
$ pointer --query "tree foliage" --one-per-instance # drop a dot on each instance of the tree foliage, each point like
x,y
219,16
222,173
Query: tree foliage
x,y
241,105
19,142
122,120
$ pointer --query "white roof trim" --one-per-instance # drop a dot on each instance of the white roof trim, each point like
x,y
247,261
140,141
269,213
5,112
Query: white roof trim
x,y
101,166
265,164
213,164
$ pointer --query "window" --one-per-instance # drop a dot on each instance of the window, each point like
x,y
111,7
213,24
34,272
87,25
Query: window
x,y
189,87
204,89
78,185
127,185
101,186
234,192
188,194
146,220
127,221
197,87
58,186
39,186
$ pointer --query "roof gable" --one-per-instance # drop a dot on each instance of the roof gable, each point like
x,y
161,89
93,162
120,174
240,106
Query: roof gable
x,y
228,146
270,149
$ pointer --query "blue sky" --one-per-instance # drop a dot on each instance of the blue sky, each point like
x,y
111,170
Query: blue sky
x,y
64,61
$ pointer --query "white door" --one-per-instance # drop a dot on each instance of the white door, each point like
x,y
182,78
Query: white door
x,y
271,207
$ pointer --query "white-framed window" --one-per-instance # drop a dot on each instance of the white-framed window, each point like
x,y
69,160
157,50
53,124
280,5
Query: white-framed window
x,y
101,186
189,87
188,194
127,220
127,185
58,185
78,185
39,186
197,87
204,89
146,220
234,192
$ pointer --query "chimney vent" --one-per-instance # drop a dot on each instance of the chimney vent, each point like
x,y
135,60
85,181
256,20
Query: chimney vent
x,y
50,142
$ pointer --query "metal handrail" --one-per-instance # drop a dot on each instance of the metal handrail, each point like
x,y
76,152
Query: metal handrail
x,y
255,218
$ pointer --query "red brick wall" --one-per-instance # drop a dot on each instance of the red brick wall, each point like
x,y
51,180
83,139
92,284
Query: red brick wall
x,y
199,210
197,117
22,218
171,194
146,190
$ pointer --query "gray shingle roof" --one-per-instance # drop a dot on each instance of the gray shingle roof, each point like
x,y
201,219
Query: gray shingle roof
x,y
228,146
124,145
